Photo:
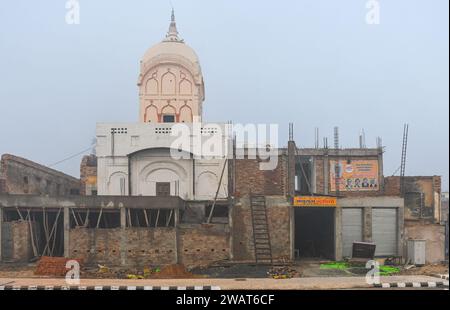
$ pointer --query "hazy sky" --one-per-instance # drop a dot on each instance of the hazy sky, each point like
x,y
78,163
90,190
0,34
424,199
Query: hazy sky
x,y
314,63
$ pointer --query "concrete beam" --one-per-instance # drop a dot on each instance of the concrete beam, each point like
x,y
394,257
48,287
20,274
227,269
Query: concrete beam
x,y
341,152
375,201
112,202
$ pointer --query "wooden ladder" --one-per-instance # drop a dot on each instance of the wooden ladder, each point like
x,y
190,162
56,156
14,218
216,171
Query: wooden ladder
x,y
261,235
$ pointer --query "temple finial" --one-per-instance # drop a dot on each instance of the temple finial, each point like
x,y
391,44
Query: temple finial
x,y
172,34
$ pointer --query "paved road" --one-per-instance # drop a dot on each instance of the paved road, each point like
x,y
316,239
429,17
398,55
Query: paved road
x,y
227,284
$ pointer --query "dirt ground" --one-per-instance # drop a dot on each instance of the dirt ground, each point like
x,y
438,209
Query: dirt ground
x,y
304,269
426,270
17,271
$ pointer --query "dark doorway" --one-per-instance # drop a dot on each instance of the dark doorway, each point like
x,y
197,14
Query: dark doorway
x,y
162,189
314,232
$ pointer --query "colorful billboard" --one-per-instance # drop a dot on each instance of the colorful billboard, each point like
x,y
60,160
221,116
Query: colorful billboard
x,y
314,201
354,175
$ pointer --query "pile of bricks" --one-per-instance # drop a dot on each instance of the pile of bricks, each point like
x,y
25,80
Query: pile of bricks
x,y
53,266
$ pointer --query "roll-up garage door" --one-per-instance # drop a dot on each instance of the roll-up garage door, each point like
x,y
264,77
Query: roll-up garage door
x,y
352,229
384,231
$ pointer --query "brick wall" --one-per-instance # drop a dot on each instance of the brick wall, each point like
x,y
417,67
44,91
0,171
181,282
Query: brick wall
x,y
2,186
243,248
88,175
249,178
392,186
434,235
319,172
142,246
417,206
16,242
22,176
278,215
201,245
279,227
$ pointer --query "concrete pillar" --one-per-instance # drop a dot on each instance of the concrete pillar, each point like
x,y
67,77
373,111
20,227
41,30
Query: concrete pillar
x,y
292,231
291,168
176,223
367,224
123,237
66,226
326,174
230,224
338,233
380,171
401,231
313,176
1,227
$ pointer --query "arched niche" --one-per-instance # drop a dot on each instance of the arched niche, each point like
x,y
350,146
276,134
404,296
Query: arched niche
x,y
168,83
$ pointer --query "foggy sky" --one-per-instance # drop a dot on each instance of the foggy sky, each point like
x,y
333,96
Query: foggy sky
x,y
314,63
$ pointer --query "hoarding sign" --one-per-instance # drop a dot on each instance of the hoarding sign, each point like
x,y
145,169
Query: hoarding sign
x,y
354,175
314,201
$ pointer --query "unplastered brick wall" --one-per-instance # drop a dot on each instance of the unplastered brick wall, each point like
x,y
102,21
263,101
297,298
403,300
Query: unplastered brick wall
x,y
95,245
422,195
250,177
16,241
278,216
155,246
88,174
22,176
203,244
243,245
139,246
319,174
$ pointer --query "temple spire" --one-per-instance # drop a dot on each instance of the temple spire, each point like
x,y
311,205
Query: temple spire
x,y
172,34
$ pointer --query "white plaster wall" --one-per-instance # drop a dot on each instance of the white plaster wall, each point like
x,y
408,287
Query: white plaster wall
x,y
156,165
148,147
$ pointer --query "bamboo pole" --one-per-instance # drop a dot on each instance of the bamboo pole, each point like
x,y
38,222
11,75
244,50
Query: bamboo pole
x,y
20,214
86,220
75,217
146,217
33,244
170,216
99,217
157,218
47,246
217,193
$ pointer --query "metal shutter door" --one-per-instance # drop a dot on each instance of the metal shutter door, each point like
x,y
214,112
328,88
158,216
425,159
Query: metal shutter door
x,y
352,229
384,231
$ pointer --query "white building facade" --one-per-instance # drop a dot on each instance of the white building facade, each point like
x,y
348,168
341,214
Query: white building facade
x,y
169,152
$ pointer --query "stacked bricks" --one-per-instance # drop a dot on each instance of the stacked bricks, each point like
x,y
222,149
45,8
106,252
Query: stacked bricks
x,y
53,266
